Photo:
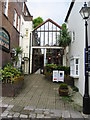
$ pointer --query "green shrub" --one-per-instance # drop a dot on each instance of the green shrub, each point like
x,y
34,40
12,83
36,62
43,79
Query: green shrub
x,y
8,73
75,89
51,67
63,86
64,68
67,99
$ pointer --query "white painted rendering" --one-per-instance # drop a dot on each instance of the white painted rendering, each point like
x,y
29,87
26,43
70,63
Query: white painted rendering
x,y
76,48
31,55
65,56
26,30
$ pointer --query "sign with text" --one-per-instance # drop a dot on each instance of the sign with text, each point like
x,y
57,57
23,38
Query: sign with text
x,y
4,40
58,76
61,76
55,75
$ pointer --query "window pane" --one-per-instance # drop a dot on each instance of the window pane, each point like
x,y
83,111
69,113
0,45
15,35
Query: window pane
x,y
18,25
73,36
76,67
6,8
15,18
72,67
76,61
23,8
76,72
26,32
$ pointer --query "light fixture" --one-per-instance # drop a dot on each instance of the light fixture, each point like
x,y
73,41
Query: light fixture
x,y
85,11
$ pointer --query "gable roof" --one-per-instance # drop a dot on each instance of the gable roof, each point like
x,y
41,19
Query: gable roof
x,y
48,20
69,11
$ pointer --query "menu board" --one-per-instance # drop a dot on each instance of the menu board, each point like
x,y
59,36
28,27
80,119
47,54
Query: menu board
x,y
58,76
61,76
55,75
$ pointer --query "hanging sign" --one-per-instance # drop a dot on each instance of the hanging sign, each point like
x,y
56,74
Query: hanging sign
x,y
4,40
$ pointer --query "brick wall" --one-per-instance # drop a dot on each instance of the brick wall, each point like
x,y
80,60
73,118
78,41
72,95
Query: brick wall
x,y
7,23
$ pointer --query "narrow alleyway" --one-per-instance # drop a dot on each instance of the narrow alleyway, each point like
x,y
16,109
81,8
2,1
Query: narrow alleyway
x,y
39,98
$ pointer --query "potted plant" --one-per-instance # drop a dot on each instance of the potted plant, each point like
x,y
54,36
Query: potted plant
x,y
11,80
63,89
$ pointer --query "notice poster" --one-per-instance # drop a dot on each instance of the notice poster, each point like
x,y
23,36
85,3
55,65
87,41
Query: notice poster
x,y
55,75
61,76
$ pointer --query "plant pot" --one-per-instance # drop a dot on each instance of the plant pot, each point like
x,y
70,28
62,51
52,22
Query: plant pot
x,y
10,90
63,92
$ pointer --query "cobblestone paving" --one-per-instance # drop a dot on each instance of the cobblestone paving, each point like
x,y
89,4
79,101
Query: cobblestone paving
x,y
39,98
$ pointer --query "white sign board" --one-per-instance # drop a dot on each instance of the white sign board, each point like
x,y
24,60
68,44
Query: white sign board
x,y
58,76
61,76
55,75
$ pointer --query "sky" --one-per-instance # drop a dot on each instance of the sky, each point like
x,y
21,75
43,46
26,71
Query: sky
x,y
53,9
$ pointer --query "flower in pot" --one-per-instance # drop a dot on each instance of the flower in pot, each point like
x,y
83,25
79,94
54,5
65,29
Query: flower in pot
x,y
63,89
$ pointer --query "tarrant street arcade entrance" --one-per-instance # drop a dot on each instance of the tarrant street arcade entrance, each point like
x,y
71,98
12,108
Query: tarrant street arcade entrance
x,y
45,47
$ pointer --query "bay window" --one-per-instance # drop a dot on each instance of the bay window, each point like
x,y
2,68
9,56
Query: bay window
x,y
74,67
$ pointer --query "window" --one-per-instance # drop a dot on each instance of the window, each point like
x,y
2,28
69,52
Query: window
x,y
26,13
23,8
6,8
77,67
15,19
74,67
18,24
73,36
71,67
26,32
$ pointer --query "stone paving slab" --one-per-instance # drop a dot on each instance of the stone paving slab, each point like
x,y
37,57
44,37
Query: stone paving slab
x,y
45,113
16,115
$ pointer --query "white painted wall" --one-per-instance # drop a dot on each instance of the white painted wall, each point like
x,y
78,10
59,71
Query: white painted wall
x,y
76,24
25,40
